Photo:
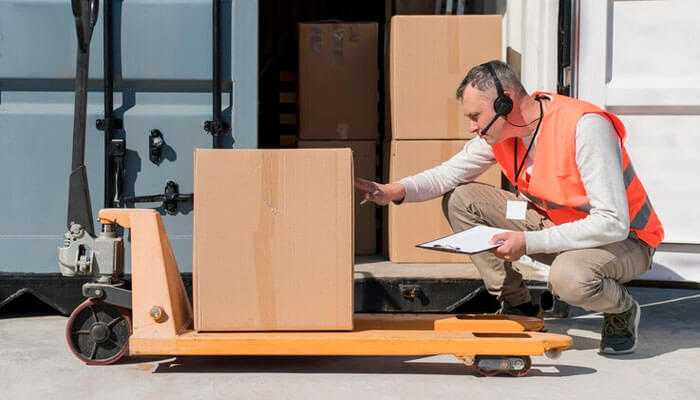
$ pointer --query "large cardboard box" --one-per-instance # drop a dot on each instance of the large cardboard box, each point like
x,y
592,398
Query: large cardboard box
x,y
338,81
273,240
414,223
429,57
365,165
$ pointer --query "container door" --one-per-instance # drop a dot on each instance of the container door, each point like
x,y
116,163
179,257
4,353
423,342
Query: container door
x,y
640,60
163,67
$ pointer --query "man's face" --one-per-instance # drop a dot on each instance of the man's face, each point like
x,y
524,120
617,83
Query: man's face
x,y
478,109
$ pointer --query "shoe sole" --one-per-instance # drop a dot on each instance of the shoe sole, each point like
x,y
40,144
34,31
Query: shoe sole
x,y
610,351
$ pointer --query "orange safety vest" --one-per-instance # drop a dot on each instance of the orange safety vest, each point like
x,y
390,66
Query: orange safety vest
x,y
555,185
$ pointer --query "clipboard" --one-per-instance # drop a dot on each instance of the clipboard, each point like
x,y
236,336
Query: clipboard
x,y
471,241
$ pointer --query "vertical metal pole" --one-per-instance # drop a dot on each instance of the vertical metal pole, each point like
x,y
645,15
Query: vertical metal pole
x,y
575,45
107,47
216,78
216,127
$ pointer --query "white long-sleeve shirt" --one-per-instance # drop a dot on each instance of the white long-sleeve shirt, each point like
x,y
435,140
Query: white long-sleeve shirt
x,y
599,161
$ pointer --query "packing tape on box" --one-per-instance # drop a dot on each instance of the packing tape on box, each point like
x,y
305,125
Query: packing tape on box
x,y
354,33
316,39
270,188
338,39
453,68
453,108
454,45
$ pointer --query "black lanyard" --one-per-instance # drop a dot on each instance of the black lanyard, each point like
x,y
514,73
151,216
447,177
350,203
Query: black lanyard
x,y
517,170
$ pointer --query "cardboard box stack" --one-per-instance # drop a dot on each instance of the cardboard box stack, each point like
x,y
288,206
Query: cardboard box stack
x,y
429,56
338,103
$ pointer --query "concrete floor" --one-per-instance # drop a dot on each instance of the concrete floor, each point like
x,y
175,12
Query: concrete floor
x,y
35,364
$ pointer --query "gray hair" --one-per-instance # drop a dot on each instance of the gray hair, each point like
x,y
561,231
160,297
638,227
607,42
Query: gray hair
x,y
481,78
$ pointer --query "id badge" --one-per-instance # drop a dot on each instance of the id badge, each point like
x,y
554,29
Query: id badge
x,y
516,210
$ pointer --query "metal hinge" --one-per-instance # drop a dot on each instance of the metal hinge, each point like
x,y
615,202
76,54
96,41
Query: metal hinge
x,y
170,198
216,128
567,76
101,124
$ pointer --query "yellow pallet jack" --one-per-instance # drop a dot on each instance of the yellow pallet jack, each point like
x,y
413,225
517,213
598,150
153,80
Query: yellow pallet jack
x,y
158,320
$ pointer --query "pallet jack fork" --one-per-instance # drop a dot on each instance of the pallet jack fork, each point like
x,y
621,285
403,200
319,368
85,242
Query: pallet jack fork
x,y
160,322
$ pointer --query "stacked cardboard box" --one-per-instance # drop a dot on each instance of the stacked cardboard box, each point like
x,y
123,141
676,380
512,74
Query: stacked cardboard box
x,y
414,223
365,166
338,76
338,103
429,57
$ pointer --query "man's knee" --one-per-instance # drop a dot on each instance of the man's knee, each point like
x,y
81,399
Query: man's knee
x,y
458,201
571,281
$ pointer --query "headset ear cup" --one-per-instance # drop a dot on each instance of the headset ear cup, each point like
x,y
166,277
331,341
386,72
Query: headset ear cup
x,y
503,105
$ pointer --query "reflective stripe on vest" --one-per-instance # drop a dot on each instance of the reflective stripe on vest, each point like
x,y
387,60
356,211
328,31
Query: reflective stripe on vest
x,y
628,175
642,218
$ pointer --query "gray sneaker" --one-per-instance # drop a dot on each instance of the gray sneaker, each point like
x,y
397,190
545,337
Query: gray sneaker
x,y
620,331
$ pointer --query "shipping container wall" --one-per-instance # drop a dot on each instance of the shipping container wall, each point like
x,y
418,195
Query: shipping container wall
x,y
530,39
659,107
163,71
647,74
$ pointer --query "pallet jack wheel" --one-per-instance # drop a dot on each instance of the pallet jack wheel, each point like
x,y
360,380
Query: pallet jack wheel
x,y
516,366
98,333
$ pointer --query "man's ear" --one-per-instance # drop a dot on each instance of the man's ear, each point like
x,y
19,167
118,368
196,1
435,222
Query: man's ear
x,y
509,93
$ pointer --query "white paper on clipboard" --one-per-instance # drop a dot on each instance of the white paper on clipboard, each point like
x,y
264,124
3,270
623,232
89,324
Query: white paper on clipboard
x,y
471,241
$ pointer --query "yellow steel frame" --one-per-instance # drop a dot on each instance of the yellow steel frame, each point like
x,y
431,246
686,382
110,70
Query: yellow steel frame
x,y
162,318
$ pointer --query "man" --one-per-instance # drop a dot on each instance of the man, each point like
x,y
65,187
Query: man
x,y
579,204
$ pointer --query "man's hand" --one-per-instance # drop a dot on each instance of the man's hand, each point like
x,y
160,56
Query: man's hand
x,y
512,245
378,193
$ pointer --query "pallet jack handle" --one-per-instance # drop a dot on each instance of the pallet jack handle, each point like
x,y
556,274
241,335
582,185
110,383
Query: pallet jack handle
x,y
85,13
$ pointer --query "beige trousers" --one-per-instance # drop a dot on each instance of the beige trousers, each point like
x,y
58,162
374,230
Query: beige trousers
x,y
587,278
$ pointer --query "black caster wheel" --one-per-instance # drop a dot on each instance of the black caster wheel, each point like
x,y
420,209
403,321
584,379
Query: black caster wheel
x,y
98,333
503,365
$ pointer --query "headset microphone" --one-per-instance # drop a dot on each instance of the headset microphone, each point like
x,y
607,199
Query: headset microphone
x,y
495,117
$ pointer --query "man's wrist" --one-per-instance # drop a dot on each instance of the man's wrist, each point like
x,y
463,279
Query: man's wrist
x,y
535,242
400,193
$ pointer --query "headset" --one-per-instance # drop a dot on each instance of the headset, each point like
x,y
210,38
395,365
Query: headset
x,y
503,104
